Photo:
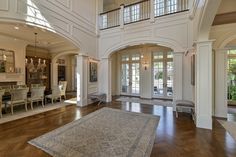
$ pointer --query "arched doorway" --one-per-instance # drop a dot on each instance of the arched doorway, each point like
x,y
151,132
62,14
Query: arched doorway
x,y
143,70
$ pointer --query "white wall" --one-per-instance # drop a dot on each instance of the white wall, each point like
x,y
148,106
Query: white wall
x,y
227,6
19,48
72,19
70,72
171,31
222,34
146,75
113,4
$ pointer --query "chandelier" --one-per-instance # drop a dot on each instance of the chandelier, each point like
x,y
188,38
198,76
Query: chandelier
x,y
32,66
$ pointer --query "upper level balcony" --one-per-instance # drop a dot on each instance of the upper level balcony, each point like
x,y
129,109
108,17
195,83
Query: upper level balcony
x,y
140,11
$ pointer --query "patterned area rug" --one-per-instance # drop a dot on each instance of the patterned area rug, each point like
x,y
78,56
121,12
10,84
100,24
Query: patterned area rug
x,y
146,101
103,133
229,126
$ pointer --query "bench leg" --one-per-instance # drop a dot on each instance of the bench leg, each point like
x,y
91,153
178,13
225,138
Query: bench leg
x,y
176,112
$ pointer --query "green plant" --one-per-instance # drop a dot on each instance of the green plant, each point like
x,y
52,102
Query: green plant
x,y
232,93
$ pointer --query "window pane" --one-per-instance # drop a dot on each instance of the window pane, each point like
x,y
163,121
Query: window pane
x,y
124,58
158,55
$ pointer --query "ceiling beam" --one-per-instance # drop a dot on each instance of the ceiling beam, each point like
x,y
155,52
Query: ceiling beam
x,y
225,18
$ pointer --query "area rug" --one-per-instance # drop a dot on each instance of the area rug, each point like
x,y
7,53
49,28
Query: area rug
x,y
22,114
229,126
146,101
104,133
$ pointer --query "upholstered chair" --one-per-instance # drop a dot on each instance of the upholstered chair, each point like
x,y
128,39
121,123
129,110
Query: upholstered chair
x,y
37,95
34,85
19,86
56,94
18,97
62,86
7,88
2,92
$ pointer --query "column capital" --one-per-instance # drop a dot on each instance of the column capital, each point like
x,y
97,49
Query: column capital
x,y
204,41
105,58
82,55
178,53
223,50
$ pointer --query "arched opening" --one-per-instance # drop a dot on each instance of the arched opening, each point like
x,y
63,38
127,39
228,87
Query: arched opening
x,y
35,52
230,78
145,71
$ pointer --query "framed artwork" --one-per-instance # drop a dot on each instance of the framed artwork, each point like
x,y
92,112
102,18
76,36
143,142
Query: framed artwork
x,y
2,66
93,72
193,69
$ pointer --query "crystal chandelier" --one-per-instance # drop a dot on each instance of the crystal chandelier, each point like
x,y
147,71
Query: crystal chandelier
x,y
32,66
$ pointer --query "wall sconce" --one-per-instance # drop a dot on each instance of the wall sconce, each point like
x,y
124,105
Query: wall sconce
x,y
145,65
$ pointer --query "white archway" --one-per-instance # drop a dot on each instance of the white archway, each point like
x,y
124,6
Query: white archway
x,y
54,65
175,46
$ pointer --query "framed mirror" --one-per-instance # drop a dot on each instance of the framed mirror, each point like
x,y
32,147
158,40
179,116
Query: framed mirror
x,y
7,61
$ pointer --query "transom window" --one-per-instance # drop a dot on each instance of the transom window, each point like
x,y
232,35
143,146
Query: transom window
x,y
171,6
159,7
165,7
104,21
132,13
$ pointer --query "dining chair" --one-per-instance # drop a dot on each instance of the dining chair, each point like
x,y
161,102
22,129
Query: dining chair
x,y
62,86
56,94
37,95
2,92
7,88
19,86
18,97
34,85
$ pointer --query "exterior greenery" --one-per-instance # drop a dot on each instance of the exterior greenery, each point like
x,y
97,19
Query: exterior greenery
x,y
232,75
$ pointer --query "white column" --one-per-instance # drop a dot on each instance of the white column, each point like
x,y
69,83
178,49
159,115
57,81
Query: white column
x,y
221,83
152,11
54,74
204,72
105,78
82,80
122,16
178,77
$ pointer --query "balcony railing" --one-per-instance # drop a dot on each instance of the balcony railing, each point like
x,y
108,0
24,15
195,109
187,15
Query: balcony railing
x,y
110,19
144,10
137,12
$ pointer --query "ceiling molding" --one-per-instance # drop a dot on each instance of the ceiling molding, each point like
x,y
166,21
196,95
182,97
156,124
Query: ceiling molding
x,y
225,18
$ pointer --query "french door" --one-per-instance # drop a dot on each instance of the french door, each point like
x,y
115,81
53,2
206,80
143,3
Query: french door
x,y
130,74
162,74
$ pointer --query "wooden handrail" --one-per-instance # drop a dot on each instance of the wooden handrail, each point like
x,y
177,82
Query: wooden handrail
x,y
135,3
110,11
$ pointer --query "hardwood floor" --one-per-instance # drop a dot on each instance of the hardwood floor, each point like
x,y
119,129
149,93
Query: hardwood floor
x,y
174,137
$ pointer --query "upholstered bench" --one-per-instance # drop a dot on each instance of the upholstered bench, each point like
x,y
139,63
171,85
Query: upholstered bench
x,y
185,104
101,97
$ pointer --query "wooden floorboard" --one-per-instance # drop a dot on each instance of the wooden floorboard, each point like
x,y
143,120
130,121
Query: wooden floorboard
x,y
174,137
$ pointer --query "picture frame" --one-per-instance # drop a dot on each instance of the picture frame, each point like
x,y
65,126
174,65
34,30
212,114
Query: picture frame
x,y
193,69
93,72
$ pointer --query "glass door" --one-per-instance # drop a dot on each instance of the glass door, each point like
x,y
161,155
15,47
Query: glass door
x,y
162,74
231,83
130,74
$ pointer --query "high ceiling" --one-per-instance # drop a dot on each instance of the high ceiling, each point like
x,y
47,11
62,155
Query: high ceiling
x,y
45,39
108,2
227,6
